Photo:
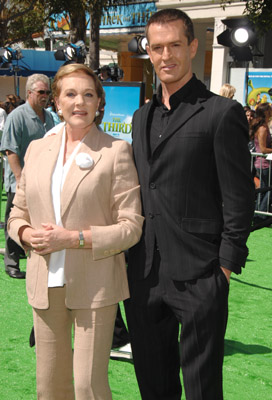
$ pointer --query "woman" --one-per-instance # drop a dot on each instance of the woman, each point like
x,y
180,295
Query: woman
x,y
227,90
76,209
259,132
250,115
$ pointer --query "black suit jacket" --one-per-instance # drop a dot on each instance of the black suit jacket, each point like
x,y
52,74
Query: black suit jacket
x,y
196,186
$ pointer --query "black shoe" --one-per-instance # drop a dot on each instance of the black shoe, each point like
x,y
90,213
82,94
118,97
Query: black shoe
x,y
15,273
122,352
117,344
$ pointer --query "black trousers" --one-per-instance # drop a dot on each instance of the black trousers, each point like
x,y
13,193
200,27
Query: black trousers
x,y
155,310
120,334
12,250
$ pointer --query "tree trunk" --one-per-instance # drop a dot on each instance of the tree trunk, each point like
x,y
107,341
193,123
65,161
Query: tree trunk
x,y
94,40
78,25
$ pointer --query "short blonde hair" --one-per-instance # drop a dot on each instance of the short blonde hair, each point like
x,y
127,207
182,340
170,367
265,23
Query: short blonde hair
x,y
70,69
227,90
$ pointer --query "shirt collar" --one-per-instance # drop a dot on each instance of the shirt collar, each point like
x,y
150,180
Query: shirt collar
x,y
33,114
31,111
176,98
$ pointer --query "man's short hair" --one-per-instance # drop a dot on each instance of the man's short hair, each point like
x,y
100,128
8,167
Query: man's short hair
x,y
33,79
169,15
107,69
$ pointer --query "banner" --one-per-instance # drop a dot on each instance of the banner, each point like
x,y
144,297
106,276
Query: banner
x,y
122,100
259,87
124,16
127,16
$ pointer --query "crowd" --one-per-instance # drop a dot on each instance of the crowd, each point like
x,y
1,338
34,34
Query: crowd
x,y
181,200
260,133
260,142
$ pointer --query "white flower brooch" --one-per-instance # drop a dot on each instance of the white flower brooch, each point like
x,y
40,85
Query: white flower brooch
x,y
84,160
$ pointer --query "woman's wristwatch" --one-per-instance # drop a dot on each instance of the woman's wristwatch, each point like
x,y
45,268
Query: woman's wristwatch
x,y
81,240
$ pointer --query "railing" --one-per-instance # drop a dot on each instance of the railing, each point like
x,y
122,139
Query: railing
x,y
263,184
263,187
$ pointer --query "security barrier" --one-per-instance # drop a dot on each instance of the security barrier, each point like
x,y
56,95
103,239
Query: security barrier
x,y
263,183
1,189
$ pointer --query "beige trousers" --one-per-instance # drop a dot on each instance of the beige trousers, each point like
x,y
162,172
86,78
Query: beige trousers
x,y
58,365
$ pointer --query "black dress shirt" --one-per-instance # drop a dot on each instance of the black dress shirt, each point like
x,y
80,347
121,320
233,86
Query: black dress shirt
x,y
161,115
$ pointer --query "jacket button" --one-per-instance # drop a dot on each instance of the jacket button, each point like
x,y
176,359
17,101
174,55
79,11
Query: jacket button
x,y
152,185
151,216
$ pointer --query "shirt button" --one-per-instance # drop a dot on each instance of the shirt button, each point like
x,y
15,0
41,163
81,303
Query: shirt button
x,y
152,185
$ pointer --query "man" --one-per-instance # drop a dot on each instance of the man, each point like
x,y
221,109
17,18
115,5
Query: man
x,y
190,149
27,122
106,74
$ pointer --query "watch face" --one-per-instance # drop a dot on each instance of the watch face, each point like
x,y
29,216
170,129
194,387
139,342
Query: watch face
x,y
81,239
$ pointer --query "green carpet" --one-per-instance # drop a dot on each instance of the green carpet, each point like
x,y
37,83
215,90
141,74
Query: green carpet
x,y
248,344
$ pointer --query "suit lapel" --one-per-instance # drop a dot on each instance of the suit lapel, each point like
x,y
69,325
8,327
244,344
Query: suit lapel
x,y
185,112
47,162
76,174
144,127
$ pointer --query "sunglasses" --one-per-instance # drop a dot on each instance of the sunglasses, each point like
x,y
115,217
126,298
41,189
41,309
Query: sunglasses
x,y
47,92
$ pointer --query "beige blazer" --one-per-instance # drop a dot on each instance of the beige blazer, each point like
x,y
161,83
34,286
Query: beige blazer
x,y
104,198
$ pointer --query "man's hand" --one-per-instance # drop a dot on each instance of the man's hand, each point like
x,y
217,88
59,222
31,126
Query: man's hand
x,y
15,165
227,273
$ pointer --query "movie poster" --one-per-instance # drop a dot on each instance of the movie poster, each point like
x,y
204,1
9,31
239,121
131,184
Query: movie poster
x,y
122,99
259,87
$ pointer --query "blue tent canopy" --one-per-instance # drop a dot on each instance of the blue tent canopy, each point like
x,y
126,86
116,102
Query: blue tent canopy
x,y
34,62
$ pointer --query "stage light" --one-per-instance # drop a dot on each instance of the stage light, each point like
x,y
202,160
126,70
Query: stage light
x,y
243,36
73,52
138,45
240,37
8,54
142,45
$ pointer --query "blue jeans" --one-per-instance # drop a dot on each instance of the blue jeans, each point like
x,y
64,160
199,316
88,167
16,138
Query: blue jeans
x,y
263,200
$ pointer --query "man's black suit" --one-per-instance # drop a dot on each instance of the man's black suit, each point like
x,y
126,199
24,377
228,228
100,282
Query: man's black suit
x,y
198,200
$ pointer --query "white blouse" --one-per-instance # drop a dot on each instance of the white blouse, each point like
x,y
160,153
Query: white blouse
x,y
57,259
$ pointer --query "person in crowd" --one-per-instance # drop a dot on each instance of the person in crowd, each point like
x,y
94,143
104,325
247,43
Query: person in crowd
x,y
105,74
13,101
25,123
250,114
227,90
259,132
52,108
12,98
3,117
191,153
76,210
9,107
